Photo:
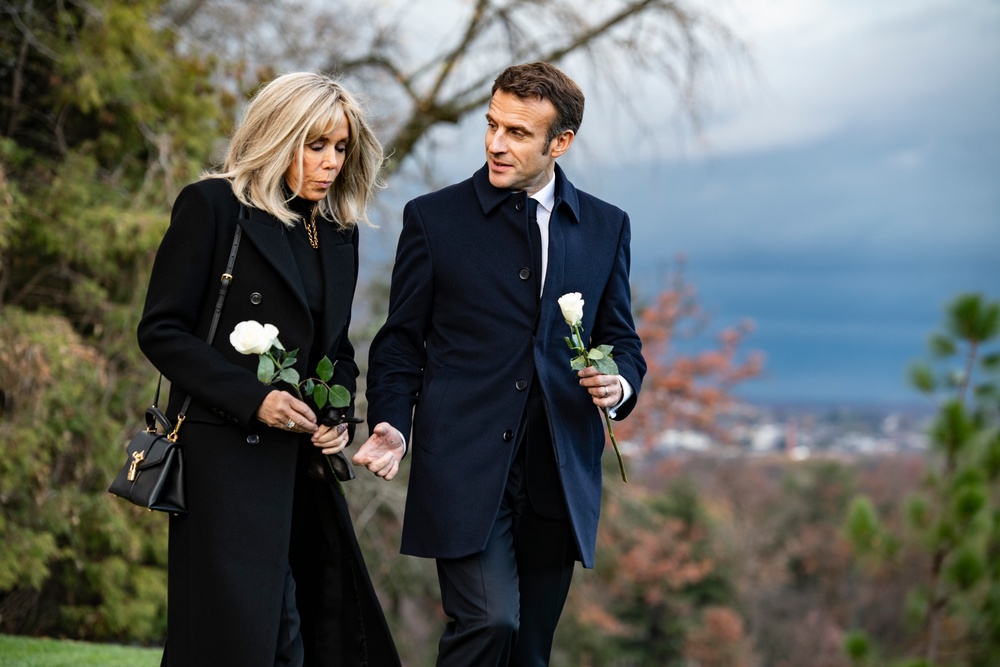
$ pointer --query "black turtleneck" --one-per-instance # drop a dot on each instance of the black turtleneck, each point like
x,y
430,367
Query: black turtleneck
x,y
310,267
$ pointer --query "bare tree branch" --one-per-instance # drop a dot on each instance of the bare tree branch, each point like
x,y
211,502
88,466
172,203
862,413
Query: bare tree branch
x,y
667,39
415,87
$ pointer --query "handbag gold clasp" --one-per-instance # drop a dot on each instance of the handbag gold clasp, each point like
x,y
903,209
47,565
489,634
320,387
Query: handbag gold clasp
x,y
180,420
137,458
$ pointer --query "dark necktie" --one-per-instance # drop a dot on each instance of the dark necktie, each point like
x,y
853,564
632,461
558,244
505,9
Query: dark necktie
x,y
535,236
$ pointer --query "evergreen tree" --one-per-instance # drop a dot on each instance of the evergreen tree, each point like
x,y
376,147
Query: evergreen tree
x,y
955,520
103,116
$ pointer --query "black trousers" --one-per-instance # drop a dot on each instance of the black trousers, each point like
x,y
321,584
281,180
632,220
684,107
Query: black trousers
x,y
504,603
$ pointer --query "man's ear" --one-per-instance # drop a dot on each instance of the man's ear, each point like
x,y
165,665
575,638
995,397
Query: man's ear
x,y
561,143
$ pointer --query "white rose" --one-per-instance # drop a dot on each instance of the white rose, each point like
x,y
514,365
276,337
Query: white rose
x,y
571,306
252,337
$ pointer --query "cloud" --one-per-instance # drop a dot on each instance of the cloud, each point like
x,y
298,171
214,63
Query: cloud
x,y
828,66
840,201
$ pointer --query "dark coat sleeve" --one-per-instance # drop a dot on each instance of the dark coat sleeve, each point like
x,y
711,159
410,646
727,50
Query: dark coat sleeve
x,y
398,355
613,324
183,288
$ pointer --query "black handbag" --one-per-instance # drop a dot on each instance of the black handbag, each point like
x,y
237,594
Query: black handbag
x,y
153,474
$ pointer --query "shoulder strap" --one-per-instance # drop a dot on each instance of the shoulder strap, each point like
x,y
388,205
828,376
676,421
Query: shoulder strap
x,y
225,281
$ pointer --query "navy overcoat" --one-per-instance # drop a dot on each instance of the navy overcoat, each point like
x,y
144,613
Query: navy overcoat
x,y
460,346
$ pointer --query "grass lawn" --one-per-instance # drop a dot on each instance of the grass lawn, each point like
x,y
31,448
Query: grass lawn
x,y
32,652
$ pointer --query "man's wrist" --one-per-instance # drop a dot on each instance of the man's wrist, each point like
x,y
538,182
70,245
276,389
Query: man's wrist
x,y
401,440
626,394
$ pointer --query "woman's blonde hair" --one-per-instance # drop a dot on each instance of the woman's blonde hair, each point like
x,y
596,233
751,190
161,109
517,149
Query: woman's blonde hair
x,y
285,115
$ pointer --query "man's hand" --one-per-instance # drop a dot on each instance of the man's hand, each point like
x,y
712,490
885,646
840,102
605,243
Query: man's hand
x,y
382,452
605,390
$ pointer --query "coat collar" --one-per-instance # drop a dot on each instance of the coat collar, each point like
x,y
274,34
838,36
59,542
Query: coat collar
x,y
267,233
490,197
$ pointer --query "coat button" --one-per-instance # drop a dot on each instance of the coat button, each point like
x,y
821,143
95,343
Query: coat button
x,y
521,385
519,206
508,435
524,273
255,298
253,439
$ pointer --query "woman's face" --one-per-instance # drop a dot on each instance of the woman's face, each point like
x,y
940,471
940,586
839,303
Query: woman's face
x,y
322,161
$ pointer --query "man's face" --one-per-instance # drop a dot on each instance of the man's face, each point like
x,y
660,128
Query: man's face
x,y
519,158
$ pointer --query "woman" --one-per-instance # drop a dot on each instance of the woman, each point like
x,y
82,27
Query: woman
x,y
265,569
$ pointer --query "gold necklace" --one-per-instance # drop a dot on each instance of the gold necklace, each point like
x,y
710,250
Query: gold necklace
x,y
310,226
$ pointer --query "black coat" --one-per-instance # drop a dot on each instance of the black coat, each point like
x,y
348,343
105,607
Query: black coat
x,y
460,344
228,557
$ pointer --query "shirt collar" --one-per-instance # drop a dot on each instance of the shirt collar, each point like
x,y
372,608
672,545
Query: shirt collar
x,y
490,197
546,197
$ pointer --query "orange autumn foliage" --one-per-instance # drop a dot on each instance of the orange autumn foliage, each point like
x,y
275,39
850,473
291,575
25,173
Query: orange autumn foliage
x,y
686,391
719,640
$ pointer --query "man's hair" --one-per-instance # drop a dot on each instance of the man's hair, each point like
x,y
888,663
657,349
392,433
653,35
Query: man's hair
x,y
283,117
544,81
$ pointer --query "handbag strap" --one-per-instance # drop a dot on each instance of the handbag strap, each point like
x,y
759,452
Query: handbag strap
x,y
227,277
225,281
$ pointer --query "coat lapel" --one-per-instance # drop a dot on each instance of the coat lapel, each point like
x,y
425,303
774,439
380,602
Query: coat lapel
x,y
339,271
269,236
563,228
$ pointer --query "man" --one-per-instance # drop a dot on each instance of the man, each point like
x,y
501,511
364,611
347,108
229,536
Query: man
x,y
505,483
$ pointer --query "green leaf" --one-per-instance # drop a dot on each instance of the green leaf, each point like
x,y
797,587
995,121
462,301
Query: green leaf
x,y
288,361
990,458
569,343
265,369
595,354
922,378
339,396
606,349
325,369
967,568
987,392
606,366
319,395
289,375
973,319
578,363
952,427
968,501
277,344
942,346
857,646
308,386
991,362
863,527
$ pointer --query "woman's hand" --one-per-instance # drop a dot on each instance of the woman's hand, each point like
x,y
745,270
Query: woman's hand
x,y
331,439
279,409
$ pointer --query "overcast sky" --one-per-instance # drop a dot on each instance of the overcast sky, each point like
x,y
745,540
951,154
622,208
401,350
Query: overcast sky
x,y
844,200
839,198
